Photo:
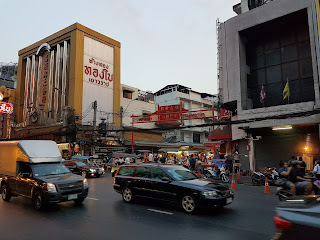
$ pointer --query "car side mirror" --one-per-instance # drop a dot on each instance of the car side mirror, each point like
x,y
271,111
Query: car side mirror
x,y
166,179
25,175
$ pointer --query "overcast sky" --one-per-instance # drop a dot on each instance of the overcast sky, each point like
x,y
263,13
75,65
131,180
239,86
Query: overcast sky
x,y
162,41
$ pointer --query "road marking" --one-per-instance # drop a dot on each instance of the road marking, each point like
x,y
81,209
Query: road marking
x,y
96,199
159,211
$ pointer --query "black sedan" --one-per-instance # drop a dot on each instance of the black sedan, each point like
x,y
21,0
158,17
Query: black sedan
x,y
83,169
298,218
172,184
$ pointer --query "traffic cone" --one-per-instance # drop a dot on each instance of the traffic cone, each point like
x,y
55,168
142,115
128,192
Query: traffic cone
x,y
238,177
233,183
266,186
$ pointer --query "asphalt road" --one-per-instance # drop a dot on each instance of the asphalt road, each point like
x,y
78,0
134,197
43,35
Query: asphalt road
x,y
105,216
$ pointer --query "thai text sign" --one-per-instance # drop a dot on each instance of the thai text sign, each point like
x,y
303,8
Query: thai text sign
x,y
173,116
6,108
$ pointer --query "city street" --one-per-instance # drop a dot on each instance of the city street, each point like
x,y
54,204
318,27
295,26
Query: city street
x,y
105,216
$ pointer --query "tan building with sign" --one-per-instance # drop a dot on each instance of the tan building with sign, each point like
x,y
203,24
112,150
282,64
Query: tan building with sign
x,y
66,72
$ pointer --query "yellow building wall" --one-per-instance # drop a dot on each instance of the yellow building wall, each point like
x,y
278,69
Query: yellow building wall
x,y
75,33
144,136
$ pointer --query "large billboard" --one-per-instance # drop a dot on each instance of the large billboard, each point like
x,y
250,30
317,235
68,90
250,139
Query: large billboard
x,y
98,80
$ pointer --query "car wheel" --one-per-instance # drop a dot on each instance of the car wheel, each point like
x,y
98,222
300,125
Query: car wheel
x,y
83,174
78,201
189,204
38,201
6,195
98,175
127,195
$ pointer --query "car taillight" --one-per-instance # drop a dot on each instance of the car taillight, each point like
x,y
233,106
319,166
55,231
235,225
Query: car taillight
x,y
114,179
281,224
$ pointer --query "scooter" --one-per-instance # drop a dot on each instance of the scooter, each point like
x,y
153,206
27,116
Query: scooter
x,y
217,175
259,178
283,192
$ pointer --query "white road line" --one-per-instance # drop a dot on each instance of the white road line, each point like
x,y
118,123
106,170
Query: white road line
x,y
96,199
159,211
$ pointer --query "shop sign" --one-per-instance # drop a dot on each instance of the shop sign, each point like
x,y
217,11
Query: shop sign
x,y
98,72
6,108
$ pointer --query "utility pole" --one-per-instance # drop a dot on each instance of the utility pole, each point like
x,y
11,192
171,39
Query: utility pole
x,y
93,150
65,112
121,124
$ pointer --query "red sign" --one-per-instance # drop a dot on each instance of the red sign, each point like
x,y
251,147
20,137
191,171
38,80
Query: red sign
x,y
6,108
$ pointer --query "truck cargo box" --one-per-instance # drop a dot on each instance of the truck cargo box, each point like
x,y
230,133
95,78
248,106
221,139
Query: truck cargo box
x,y
33,151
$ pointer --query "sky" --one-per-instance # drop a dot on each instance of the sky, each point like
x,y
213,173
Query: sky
x,y
162,41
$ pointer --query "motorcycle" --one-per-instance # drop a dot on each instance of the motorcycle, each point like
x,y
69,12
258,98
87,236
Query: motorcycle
x,y
283,192
259,178
220,174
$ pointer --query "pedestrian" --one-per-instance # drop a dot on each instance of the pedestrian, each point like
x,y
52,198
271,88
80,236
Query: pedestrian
x,y
192,163
163,159
316,169
150,157
127,161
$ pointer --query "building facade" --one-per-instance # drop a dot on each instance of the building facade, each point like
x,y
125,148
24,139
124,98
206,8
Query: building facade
x,y
270,45
58,80
190,100
135,102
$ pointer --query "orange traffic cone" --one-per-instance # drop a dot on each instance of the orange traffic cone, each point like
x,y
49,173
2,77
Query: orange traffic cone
x,y
266,186
238,177
233,183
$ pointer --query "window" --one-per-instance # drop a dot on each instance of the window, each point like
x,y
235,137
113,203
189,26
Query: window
x,y
142,172
127,94
276,52
157,173
22,168
196,137
126,171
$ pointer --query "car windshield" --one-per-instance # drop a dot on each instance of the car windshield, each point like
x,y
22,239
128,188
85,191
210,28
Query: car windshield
x,y
40,170
81,164
181,174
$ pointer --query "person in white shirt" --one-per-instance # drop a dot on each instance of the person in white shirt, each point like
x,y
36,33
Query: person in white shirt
x,y
316,169
150,157
120,161
127,161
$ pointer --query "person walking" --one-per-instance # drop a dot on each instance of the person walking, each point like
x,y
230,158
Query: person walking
x,y
192,163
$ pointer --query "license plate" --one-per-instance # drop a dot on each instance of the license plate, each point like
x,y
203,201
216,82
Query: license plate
x,y
229,200
72,196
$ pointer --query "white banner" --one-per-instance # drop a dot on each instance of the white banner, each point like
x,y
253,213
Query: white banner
x,y
98,80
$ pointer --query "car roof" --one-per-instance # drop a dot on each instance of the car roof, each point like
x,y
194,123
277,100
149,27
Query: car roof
x,y
151,165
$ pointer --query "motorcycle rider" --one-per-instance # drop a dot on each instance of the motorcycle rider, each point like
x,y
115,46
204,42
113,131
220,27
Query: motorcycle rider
x,y
296,176
284,173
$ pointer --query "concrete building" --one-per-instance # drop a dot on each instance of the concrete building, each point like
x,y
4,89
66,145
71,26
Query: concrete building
x,y
190,100
137,102
267,45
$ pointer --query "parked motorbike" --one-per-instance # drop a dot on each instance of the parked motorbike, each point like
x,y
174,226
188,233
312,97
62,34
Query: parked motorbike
x,y
259,178
220,174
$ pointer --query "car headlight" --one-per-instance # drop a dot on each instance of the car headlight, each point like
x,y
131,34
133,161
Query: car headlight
x,y
211,193
85,183
92,170
51,187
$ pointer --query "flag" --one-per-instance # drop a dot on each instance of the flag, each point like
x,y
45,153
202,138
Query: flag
x,y
263,94
286,91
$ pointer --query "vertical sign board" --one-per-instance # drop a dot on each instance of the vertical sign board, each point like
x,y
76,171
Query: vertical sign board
x,y
98,79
